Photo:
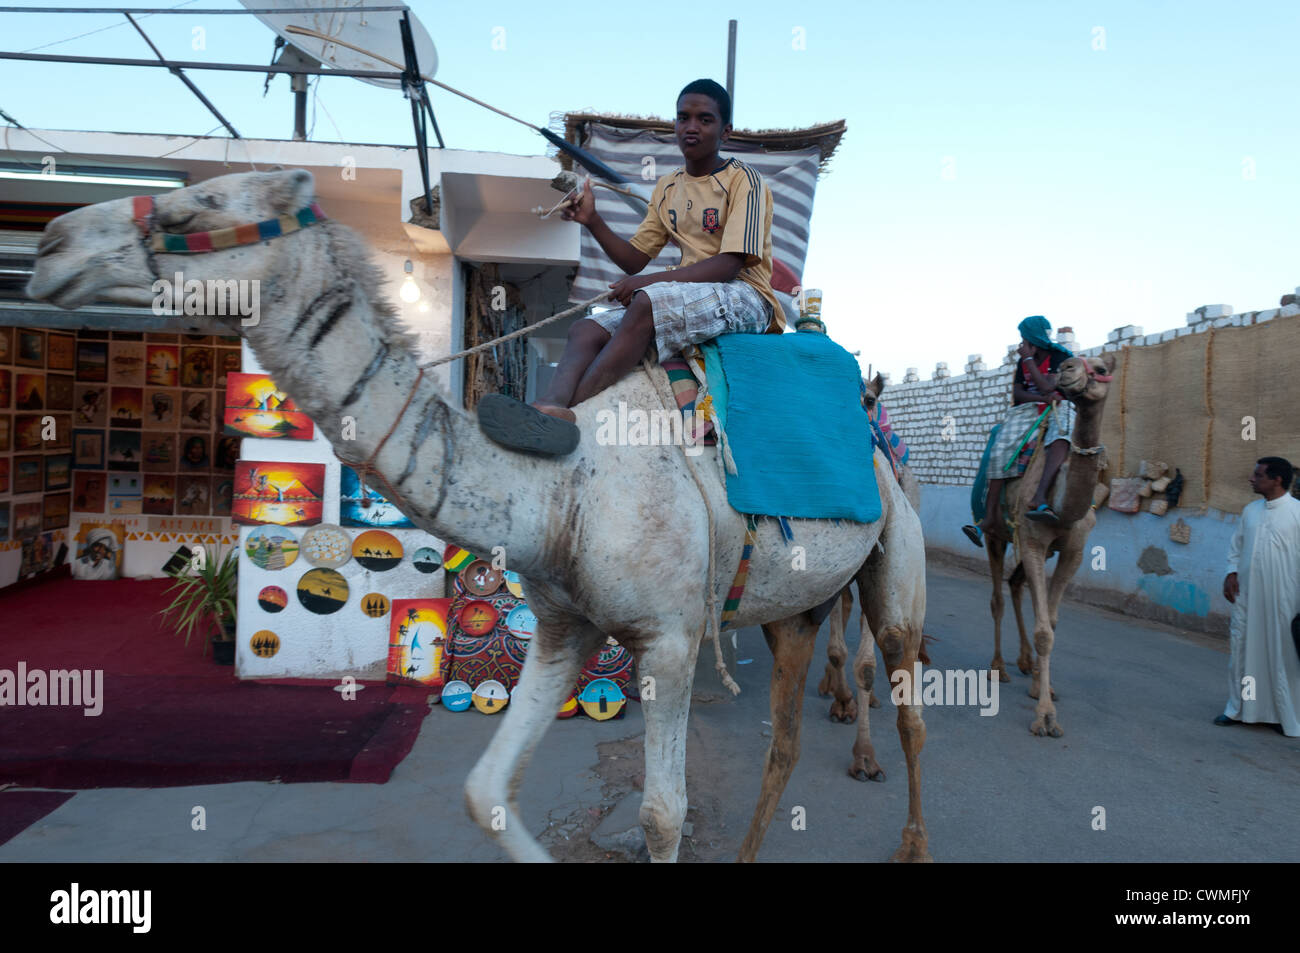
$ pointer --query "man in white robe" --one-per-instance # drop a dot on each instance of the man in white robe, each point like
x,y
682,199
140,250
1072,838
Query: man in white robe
x,y
1263,584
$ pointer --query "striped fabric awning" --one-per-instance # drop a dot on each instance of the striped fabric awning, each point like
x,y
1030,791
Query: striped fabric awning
x,y
792,177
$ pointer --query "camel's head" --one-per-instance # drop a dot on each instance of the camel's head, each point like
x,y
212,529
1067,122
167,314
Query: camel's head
x,y
871,394
102,252
1085,379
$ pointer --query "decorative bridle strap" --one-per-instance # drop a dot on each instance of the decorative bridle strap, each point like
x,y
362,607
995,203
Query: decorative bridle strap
x,y
218,239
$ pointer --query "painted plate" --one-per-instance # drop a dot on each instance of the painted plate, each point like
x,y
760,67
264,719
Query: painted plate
x,y
514,584
377,550
480,579
323,591
521,622
326,546
490,697
375,605
264,643
602,699
271,547
426,559
478,618
457,696
272,598
568,709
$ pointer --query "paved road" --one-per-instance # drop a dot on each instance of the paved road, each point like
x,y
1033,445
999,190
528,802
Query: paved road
x,y
1135,699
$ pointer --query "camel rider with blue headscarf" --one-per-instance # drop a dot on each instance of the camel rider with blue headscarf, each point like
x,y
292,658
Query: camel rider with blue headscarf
x,y
1033,393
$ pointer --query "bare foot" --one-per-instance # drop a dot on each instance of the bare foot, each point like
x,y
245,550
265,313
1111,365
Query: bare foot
x,y
553,410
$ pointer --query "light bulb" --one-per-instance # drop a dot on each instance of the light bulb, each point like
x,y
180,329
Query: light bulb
x,y
410,292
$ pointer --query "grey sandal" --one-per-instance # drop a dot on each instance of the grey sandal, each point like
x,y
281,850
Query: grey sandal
x,y
516,425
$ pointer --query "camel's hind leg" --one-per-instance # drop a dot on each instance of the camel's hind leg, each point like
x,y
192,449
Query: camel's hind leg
x,y
669,661
792,642
997,551
844,708
1025,660
893,584
555,656
864,766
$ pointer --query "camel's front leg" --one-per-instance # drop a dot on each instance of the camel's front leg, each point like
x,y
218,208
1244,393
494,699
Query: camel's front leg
x,y
792,642
555,657
666,667
997,552
1044,722
844,708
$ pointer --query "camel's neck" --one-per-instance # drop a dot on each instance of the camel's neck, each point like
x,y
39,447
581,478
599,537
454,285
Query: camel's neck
x,y
341,356
1082,473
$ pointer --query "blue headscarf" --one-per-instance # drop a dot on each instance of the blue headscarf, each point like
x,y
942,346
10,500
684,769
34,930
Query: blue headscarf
x,y
1038,332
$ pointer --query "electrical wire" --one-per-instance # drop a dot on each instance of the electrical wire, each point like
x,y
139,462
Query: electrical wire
x,y
111,26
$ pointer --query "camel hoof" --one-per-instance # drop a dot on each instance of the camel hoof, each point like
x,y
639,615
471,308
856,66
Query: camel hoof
x,y
862,774
911,855
875,702
1002,674
1045,725
845,713
1026,668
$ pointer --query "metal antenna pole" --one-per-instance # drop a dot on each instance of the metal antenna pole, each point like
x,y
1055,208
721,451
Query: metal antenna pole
x,y
176,71
413,87
731,66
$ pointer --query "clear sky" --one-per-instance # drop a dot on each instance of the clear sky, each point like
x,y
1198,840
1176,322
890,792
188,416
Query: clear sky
x,y
1101,163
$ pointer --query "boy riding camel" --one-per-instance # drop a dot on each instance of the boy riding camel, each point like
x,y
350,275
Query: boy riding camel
x,y
719,213
1033,390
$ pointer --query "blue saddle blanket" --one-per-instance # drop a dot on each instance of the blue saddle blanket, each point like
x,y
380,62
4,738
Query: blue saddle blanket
x,y
791,408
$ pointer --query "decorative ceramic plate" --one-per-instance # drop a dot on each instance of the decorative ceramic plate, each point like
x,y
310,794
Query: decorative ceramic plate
x,y
568,709
514,584
457,696
377,550
323,591
521,622
490,697
478,618
326,546
426,559
375,605
272,598
602,699
264,643
480,579
271,547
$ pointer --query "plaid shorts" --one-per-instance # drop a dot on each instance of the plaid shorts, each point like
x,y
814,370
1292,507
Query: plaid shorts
x,y
1060,422
690,312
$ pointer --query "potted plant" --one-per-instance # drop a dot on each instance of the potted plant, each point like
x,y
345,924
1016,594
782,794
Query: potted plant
x,y
204,602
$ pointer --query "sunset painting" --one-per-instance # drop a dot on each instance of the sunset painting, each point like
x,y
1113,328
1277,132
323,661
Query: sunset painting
x,y
286,494
255,408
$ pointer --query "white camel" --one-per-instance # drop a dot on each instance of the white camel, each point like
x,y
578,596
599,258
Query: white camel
x,y
609,541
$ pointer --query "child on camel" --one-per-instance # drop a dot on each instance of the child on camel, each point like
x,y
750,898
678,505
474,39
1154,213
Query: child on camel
x,y
719,213
1033,388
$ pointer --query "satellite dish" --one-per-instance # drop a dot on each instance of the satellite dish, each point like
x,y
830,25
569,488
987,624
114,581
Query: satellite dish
x,y
378,32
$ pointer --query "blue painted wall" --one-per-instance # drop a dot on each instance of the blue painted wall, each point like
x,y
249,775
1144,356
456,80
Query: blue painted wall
x,y
1193,588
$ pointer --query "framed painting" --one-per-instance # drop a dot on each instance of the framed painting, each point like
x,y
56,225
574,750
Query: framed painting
x,y
286,494
92,361
368,507
61,352
196,366
126,407
59,391
88,449
123,450
6,387
89,491
196,410
163,362
195,456
29,392
29,474
27,432
27,520
159,494
55,512
6,345
62,439
192,495
90,405
228,362
162,408
159,452
4,522
29,348
58,471
4,474
6,432
255,407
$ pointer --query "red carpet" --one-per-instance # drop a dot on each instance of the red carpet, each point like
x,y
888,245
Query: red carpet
x,y
170,716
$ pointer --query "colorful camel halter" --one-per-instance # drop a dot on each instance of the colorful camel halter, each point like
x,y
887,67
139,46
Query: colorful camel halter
x,y
218,239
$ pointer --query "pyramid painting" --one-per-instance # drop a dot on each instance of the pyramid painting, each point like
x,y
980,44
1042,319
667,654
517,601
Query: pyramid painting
x,y
286,494
256,408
